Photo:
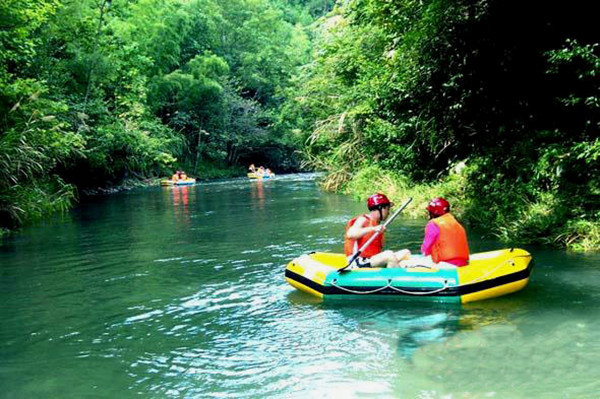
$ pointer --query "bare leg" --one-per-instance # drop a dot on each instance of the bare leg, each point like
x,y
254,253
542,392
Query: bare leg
x,y
389,258
383,259
416,261
425,261
403,254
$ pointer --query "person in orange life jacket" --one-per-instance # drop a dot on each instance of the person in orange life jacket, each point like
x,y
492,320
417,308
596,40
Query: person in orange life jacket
x,y
445,242
361,228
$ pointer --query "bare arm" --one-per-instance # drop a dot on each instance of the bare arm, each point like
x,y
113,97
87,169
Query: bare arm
x,y
357,231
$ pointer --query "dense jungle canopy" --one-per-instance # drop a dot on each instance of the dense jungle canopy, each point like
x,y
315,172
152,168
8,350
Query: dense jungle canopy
x,y
492,103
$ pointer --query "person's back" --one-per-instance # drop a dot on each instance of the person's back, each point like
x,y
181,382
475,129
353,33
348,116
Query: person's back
x,y
445,238
451,245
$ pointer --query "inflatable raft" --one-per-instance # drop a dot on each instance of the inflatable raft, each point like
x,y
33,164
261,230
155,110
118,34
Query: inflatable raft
x,y
488,275
259,176
184,182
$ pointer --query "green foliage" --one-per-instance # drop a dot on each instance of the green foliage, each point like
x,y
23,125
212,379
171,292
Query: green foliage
x,y
96,91
410,88
381,95
580,235
128,146
398,188
216,170
35,139
34,135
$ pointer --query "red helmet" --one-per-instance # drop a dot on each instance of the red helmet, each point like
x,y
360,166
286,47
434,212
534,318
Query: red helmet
x,y
375,201
438,207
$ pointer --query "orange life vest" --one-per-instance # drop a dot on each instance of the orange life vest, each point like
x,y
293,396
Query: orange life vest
x,y
452,241
351,246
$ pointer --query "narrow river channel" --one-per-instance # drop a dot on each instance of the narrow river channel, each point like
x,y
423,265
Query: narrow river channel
x,y
180,293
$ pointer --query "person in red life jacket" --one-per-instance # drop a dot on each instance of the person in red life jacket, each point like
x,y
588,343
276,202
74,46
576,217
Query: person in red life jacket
x,y
361,228
445,242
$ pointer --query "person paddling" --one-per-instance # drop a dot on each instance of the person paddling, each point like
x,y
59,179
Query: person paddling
x,y
361,228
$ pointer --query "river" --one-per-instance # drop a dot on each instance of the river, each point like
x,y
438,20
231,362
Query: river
x,y
180,293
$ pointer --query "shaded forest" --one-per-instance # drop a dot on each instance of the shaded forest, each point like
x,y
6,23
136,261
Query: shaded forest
x,y
494,104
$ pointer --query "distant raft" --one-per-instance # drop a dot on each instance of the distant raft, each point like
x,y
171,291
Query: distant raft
x,y
182,182
253,175
488,275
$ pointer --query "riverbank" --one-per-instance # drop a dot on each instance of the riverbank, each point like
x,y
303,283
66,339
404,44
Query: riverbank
x,y
48,204
516,219
205,173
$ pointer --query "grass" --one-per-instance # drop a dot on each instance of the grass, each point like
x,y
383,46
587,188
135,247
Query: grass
x,y
398,188
541,220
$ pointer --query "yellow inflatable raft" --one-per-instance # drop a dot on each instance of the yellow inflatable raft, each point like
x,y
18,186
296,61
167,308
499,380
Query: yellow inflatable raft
x,y
488,275
260,176
182,182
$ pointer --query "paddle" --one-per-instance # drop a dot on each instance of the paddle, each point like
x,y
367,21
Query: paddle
x,y
357,254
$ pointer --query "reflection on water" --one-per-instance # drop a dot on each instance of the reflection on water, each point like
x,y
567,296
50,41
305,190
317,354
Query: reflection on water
x,y
414,324
178,292
258,193
181,197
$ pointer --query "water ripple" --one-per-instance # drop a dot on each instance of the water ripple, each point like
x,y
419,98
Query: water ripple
x,y
180,293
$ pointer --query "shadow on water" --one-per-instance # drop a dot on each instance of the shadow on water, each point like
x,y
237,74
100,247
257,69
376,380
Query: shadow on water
x,y
414,323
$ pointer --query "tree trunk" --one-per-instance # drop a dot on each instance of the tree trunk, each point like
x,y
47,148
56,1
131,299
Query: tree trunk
x,y
103,5
198,151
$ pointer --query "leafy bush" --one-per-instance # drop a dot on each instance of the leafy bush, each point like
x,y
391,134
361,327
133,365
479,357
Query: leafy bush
x,y
398,188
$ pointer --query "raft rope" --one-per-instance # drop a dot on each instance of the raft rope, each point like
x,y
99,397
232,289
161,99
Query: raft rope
x,y
484,277
389,285
444,287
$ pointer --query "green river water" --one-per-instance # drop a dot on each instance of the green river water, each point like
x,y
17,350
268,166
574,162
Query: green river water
x,y
180,293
